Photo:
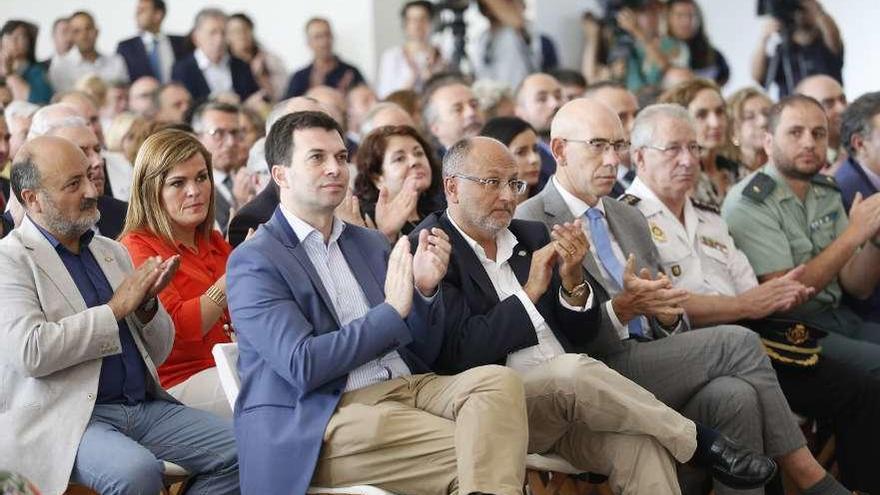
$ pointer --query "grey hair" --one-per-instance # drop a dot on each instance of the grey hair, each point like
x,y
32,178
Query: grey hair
x,y
490,93
18,109
24,174
208,13
645,124
456,157
198,117
858,119
55,116
367,123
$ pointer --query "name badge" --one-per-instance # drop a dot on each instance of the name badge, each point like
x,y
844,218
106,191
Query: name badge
x,y
712,243
823,221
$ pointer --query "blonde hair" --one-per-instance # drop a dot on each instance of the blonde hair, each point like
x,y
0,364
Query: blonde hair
x,y
121,125
736,103
159,154
93,86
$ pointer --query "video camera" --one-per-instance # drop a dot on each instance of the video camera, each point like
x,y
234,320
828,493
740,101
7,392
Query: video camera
x,y
622,43
782,10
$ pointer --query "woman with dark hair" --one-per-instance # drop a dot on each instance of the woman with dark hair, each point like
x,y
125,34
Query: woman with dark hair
x,y
522,141
703,101
267,68
25,77
410,65
684,21
398,181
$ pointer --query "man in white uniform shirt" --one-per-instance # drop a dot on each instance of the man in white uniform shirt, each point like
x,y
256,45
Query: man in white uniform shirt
x,y
83,58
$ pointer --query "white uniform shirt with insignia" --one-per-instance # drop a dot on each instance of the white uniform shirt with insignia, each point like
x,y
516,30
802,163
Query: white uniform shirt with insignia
x,y
700,255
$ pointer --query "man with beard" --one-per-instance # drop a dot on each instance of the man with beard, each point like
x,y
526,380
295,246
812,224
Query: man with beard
x,y
538,98
786,214
83,334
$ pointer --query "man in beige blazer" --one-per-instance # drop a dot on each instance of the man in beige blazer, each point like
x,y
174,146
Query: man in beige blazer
x,y
82,334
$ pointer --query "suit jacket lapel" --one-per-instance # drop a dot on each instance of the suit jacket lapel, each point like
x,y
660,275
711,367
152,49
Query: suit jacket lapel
x,y
289,239
468,259
521,262
363,274
558,212
50,263
621,231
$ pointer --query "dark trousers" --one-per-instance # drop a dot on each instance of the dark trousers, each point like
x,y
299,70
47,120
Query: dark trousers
x,y
849,400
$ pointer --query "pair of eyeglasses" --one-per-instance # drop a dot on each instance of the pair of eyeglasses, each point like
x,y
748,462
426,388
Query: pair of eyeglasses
x,y
494,183
599,146
221,134
673,150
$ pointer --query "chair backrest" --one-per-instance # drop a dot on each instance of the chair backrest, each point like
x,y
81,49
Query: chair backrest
x,y
226,357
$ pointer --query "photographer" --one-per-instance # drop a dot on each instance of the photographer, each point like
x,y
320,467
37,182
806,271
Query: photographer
x,y
510,49
811,45
626,45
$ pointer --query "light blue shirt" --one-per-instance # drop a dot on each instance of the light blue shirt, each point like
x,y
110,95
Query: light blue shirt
x,y
348,298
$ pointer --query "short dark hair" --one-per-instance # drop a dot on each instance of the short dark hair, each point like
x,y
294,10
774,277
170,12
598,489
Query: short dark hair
x,y
857,119
775,113
597,86
24,175
159,5
279,142
314,20
371,154
241,16
505,129
569,77
414,4
82,13
31,31
432,85
212,105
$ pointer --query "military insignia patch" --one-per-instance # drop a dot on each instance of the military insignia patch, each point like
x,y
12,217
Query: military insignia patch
x,y
657,233
676,270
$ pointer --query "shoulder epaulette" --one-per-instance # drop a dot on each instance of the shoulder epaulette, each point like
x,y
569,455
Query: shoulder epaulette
x,y
629,199
759,187
825,180
706,206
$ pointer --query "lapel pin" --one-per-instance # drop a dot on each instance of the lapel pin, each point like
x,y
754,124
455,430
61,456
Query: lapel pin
x,y
108,259
521,252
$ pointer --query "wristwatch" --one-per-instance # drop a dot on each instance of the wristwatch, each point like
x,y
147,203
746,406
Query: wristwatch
x,y
576,291
149,305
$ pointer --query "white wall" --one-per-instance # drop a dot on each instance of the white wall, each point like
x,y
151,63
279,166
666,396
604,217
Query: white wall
x,y
365,27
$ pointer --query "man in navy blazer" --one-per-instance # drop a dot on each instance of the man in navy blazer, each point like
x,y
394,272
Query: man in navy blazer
x,y
151,53
210,69
513,296
337,333
860,174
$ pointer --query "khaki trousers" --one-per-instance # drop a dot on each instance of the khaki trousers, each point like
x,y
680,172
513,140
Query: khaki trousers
x,y
601,422
430,434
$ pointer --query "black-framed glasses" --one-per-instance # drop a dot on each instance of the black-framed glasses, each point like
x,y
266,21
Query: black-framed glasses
x,y
494,183
599,146
673,150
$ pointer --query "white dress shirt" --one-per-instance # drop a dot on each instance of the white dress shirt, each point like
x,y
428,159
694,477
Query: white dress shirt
x,y
69,68
218,76
506,285
219,178
166,52
346,294
578,208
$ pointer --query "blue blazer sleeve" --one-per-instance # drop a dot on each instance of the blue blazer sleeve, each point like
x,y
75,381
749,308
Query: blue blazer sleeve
x,y
293,334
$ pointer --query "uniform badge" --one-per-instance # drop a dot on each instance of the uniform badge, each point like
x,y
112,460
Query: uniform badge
x,y
676,270
797,334
657,233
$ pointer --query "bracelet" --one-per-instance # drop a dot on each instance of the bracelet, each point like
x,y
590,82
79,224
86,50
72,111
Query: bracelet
x,y
216,295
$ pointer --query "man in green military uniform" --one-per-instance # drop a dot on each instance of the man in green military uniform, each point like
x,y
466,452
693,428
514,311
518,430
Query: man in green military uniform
x,y
787,214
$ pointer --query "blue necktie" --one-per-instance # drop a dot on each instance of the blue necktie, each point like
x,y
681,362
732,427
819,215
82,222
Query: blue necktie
x,y
155,63
602,240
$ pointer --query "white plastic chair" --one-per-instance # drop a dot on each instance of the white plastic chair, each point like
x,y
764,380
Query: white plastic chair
x,y
226,357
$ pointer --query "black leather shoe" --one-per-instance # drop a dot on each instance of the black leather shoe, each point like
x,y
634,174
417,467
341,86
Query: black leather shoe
x,y
738,467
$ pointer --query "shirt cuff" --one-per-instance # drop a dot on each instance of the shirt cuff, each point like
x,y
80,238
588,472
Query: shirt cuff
x,y
587,305
622,330
531,310
428,299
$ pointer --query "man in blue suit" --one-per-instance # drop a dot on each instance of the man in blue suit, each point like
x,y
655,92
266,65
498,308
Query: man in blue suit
x,y
151,53
210,70
860,174
335,348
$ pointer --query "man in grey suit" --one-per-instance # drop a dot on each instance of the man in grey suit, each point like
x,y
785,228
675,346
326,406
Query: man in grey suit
x,y
82,335
216,125
718,376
